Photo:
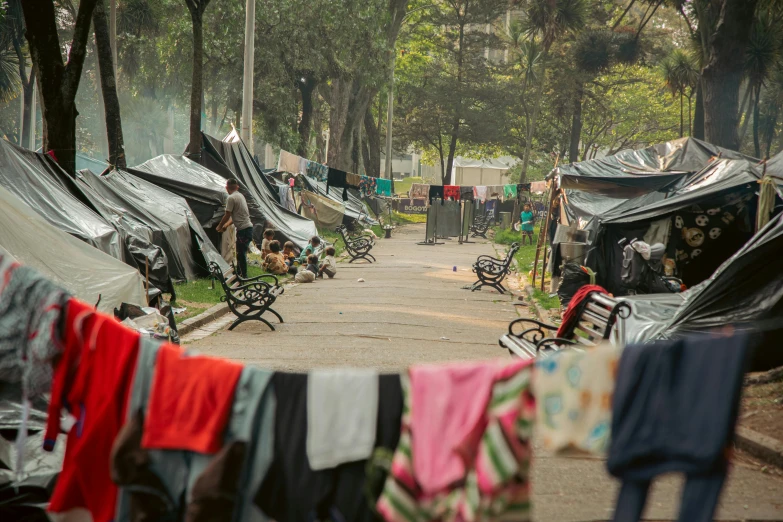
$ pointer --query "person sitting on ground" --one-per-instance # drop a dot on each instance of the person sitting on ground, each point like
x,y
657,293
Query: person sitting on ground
x,y
274,261
526,225
288,253
314,243
308,274
269,236
329,266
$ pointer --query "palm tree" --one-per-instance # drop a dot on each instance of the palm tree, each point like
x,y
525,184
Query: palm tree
x,y
761,56
9,74
681,74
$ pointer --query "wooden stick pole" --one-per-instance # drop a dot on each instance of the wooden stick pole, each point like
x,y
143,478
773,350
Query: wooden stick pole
x,y
147,279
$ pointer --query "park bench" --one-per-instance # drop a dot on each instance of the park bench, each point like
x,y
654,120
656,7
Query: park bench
x,y
481,224
492,271
254,295
598,314
357,246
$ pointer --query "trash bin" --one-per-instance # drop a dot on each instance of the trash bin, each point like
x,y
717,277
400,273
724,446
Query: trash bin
x,y
505,220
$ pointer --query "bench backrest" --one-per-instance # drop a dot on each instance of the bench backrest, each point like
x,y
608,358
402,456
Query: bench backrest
x,y
510,255
596,319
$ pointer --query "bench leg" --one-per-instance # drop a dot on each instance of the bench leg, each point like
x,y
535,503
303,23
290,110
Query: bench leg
x,y
279,317
256,317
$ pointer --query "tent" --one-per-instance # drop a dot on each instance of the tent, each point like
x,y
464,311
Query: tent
x,y
703,223
85,271
324,212
173,226
354,207
231,159
30,177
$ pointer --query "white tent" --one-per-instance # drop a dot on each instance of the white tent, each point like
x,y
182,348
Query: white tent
x,y
82,269
474,172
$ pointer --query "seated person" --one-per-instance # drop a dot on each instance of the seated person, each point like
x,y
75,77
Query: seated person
x,y
308,274
269,236
288,253
274,261
312,263
314,243
329,266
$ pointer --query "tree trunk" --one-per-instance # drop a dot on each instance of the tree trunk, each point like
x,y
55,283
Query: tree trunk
x,y
576,128
756,115
723,73
58,82
373,156
338,115
682,121
306,89
698,114
531,127
771,124
27,89
196,8
690,119
108,87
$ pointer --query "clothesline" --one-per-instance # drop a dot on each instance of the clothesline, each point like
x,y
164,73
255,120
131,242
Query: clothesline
x,y
160,431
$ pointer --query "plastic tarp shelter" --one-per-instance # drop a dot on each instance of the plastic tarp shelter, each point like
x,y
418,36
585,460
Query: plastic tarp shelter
x,y
85,271
30,176
324,212
354,208
174,227
231,159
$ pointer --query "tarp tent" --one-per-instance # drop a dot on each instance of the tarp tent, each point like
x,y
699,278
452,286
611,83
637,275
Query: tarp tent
x,y
27,175
85,271
232,159
174,227
324,212
354,207
703,223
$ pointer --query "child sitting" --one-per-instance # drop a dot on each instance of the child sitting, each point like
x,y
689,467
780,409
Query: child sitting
x,y
269,236
288,253
274,261
308,274
314,243
329,266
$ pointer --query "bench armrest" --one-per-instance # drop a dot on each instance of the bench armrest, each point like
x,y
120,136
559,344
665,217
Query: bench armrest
x,y
537,330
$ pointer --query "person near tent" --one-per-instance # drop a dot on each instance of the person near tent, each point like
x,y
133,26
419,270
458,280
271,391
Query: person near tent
x,y
526,223
238,214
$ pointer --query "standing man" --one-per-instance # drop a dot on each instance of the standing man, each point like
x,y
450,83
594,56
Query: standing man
x,y
237,212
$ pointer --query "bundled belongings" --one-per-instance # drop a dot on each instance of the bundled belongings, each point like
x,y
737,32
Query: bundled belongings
x,y
643,269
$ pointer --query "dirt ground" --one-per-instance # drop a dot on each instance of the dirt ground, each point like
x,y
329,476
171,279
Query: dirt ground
x,y
762,409
411,308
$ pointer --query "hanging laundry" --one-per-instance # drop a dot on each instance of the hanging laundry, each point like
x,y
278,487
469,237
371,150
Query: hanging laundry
x,y
93,377
464,452
436,192
353,180
291,182
302,166
663,421
291,490
190,401
30,308
383,187
573,391
523,187
466,193
342,406
317,171
286,199
480,194
156,482
495,192
574,308
538,186
491,208
419,191
367,186
509,191
451,192
337,179
288,162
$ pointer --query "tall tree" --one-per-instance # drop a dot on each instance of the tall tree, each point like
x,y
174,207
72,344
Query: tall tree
x,y
196,8
57,80
724,71
111,102
13,29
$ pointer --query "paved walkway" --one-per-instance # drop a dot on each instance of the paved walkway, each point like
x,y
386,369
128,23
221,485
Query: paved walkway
x,y
411,308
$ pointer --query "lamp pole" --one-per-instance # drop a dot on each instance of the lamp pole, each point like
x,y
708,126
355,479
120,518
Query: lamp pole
x,y
247,84
389,117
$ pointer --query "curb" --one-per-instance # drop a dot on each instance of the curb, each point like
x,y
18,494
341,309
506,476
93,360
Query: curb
x,y
761,446
209,315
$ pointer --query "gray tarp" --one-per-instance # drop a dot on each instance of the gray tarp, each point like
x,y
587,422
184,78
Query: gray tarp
x,y
24,173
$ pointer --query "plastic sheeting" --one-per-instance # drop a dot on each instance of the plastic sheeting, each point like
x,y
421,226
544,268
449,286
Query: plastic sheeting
x,y
354,208
173,225
85,271
325,212
26,174
231,159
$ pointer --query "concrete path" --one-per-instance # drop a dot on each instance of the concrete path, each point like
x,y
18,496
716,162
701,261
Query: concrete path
x,y
411,309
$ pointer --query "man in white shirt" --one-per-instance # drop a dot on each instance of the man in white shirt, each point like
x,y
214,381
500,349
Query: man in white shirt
x,y
238,213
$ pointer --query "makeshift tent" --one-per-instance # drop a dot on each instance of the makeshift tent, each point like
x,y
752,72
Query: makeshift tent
x,y
86,162
324,212
173,226
703,223
88,273
231,159
30,177
354,208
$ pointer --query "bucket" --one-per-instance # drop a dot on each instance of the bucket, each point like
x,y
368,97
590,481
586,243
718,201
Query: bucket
x,y
573,252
